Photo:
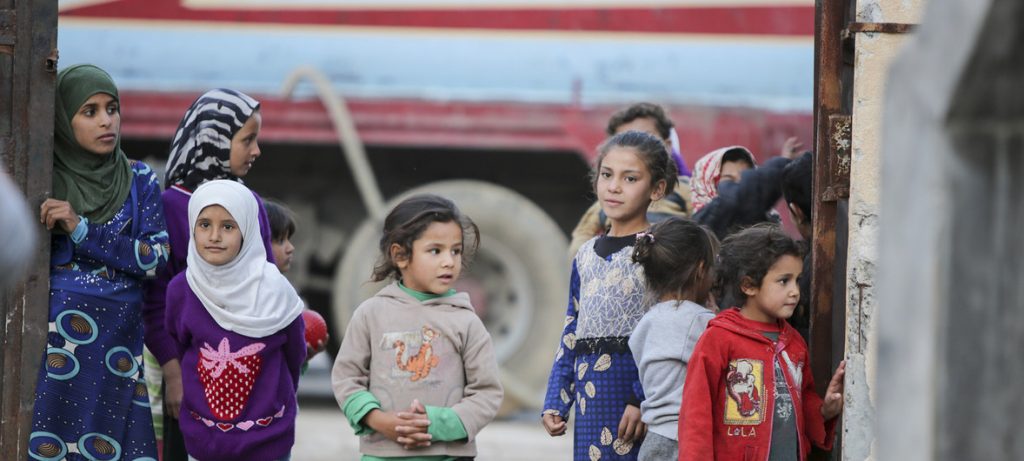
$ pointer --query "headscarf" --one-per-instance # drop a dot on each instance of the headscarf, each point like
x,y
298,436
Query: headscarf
x,y
95,185
247,295
201,148
707,172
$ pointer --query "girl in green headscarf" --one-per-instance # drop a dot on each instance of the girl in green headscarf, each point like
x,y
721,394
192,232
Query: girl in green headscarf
x,y
109,235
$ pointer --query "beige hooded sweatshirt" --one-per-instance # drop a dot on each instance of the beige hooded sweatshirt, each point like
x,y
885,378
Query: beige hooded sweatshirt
x,y
437,351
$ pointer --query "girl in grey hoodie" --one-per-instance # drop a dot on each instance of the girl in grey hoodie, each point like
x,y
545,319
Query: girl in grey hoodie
x,y
678,257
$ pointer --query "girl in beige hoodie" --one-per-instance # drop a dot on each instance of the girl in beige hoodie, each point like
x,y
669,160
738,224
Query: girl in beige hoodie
x,y
416,374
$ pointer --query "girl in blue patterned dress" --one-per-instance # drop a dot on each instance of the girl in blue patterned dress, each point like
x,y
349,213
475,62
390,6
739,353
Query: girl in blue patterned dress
x,y
108,235
594,368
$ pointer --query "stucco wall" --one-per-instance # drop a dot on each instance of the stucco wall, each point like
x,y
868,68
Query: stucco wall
x,y
874,54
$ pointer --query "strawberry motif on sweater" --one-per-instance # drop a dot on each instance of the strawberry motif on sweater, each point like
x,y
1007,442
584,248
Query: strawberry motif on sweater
x,y
228,377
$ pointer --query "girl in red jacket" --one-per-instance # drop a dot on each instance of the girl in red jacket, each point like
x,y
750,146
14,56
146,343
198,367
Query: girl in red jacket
x,y
749,394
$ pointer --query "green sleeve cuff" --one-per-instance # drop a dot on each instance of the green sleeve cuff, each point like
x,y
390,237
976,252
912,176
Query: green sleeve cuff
x,y
356,407
445,425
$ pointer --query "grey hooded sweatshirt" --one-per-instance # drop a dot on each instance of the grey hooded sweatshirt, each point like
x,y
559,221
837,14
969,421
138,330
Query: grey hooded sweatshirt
x,y
662,344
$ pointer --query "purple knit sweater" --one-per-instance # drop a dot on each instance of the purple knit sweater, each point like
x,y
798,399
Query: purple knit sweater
x,y
239,392
175,200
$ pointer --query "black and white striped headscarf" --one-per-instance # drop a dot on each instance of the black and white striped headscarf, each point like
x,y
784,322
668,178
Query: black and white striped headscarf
x,y
201,148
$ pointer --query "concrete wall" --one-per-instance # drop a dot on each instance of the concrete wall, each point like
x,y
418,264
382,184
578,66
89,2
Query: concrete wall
x,y
874,54
951,325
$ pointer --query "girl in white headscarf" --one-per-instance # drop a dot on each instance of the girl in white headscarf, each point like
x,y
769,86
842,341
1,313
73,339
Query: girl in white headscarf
x,y
240,337
216,139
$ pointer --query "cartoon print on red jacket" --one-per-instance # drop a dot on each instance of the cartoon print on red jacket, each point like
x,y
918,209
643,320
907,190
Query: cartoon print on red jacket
x,y
744,384
228,377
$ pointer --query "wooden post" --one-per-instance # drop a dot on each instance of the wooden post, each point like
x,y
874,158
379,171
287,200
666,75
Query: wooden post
x,y
28,41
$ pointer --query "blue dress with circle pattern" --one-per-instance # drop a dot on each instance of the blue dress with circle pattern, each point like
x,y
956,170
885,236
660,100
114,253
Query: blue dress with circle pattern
x,y
91,401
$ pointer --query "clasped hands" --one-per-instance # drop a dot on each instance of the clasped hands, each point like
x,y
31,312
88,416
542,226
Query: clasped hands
x,y
408,428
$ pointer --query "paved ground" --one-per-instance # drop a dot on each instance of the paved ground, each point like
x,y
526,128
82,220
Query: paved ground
x,y
322,434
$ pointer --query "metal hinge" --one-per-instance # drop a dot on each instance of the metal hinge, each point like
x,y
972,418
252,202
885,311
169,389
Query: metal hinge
x,y
840,139
881,27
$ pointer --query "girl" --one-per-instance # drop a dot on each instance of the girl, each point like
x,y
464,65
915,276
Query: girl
x,y
217,139
593,367
749,393
108,235
282,228
677,256
240,337
729,193
652,119
417,340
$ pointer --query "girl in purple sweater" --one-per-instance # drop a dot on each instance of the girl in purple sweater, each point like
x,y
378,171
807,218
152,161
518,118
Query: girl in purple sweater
x,y
217,139
240,336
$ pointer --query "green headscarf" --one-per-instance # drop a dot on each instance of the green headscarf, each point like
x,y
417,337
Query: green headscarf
x,y
95,185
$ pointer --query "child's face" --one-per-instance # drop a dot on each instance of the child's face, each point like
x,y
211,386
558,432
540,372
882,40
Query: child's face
x,y
218,238
624,186
778,294
97,124
733,171
244,148
435,262
283,252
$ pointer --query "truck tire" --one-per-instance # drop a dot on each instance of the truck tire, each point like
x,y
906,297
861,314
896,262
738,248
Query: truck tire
x,y
517,280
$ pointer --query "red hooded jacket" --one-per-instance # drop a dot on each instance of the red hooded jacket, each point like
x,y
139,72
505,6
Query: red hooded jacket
x,y
728,398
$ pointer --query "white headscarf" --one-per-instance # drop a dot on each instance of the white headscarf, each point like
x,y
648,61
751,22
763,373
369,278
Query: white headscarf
x,y
248,295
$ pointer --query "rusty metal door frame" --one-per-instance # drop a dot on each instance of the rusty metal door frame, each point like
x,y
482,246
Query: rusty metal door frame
x,y
28,62
833,93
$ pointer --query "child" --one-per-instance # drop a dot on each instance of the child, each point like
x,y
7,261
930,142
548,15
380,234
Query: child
x,y
677,256
107,237
648,118
417,340
237,324
797,180
216,139
749,393
730,194
282,228
593,366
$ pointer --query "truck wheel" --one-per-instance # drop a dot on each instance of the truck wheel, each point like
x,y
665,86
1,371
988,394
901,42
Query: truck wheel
x,y
517,280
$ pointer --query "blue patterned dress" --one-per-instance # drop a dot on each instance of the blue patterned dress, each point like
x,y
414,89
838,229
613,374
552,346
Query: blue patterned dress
x,y
91,400
594,368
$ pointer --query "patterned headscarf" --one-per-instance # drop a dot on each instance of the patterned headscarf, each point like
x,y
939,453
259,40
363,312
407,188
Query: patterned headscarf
x,y
706,174
96,186
201,148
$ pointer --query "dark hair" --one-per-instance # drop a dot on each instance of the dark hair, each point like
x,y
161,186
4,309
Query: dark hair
x,y
797,181
282,220
739,154
672,254
748,254
407,222
641,110
651,152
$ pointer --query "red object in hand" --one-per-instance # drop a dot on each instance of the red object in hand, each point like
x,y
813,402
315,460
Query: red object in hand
x,y
316,329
